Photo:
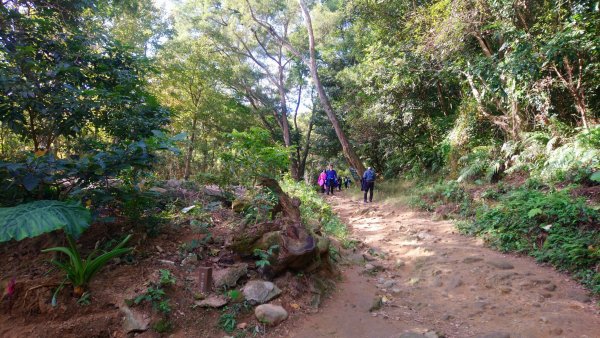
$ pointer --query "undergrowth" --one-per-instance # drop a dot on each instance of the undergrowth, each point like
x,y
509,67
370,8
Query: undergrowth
x,y
313,208
551,226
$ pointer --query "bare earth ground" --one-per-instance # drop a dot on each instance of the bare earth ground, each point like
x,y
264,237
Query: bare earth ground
x,y
441,282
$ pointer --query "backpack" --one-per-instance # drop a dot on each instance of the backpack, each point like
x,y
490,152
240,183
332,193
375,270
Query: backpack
x,y
369,176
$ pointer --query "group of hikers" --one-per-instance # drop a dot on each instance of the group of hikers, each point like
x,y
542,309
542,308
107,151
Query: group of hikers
x,y
328,180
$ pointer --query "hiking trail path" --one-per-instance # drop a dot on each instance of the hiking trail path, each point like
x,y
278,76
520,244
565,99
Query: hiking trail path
x,y
433,282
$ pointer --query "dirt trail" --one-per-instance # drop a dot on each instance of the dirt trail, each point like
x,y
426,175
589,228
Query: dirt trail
x,y
436,280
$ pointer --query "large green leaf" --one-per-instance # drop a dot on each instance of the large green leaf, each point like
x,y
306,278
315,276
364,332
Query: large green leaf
x,y
35,218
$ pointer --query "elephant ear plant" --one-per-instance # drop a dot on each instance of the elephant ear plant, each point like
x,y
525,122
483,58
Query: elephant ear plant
x,y
39,217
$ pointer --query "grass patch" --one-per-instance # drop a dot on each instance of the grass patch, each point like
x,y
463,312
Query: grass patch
x,y
391,191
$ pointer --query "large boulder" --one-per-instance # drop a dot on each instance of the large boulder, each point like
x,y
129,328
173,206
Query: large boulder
x,y
270,314
259,291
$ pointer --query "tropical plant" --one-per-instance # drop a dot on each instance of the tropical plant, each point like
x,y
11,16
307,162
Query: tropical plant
x,y
39,217
80,271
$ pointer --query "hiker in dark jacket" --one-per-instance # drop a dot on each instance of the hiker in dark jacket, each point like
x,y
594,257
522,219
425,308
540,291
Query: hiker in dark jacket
x,y
369,183
331,179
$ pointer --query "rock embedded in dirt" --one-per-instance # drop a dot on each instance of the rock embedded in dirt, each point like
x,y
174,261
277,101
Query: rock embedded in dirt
x,y
500,264
428,334
495,335
270,314
389,284
259,291
578,296
228,277
377,304
134,321
215,301
454,282
423,236
472,259
190,259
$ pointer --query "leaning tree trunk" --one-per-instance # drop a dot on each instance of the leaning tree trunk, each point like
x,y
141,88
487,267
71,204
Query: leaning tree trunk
x,y
299,248
347,149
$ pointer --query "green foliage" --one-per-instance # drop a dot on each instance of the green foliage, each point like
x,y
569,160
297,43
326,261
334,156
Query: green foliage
x,y
551,226
166,278
313,210
265,255
85,299
80,271
43,176
60,74
227,322
479,163
228,318
262,202
163,325
252,154
39,217
157,297
429,195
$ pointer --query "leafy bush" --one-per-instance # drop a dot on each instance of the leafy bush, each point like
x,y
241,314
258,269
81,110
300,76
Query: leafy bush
x,y
80,271
551,226
252,154
35,218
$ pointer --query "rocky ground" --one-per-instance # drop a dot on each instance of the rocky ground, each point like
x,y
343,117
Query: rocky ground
x,y
408,276
415,277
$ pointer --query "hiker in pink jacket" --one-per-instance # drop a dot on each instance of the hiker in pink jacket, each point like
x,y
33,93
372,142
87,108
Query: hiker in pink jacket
x,y
321,181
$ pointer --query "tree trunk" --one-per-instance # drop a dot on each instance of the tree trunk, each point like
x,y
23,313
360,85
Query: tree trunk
x,y
285,125
347,149
190,152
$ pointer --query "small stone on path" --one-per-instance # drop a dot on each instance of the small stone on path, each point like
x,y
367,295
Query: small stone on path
x,y
377,304
578,296
495,335
503,265
472,259
270,314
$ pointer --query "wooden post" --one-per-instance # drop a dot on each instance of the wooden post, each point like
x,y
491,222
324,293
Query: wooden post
x,y
205,279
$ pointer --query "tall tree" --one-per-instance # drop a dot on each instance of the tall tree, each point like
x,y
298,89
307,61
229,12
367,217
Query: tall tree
x,y
311,61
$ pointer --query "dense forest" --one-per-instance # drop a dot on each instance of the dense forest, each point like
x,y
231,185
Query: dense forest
x,y
122,121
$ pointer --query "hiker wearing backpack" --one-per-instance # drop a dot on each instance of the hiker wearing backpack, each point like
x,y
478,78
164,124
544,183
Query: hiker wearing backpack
x,y
331,179
369,183
321,181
